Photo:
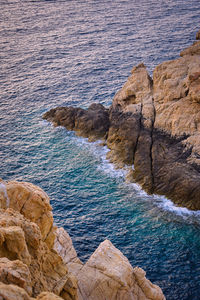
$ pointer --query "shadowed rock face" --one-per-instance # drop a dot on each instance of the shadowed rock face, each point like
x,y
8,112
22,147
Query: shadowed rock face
x,y
92,123
153,124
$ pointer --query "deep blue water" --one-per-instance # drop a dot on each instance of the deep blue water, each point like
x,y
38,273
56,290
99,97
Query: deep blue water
x,y
74,53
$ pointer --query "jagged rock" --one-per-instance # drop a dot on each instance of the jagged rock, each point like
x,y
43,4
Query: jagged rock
x,y
109,275
27,261
192,50
64,247
155,125
15,272
92,123
32,202
137,87
122,137
31,268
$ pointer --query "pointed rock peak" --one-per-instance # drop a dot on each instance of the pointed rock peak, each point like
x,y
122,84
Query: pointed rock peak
x,y
136,68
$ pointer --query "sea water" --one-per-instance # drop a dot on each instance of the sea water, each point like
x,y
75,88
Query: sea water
x,y
56,53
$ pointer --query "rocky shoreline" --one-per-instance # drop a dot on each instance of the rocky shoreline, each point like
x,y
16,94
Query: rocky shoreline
x,y
153,124
38,260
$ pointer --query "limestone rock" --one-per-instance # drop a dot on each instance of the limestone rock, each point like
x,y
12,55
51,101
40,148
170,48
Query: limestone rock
x,y
13,292
31,268
122,137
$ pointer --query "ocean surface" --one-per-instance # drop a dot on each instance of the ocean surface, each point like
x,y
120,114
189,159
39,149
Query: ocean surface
x,y
56,53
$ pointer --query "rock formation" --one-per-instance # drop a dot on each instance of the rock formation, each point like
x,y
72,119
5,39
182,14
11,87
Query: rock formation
x,y
38,260
153,124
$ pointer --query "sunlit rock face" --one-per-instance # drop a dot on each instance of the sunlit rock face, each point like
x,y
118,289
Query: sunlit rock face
x,y
107,274
32,268
154,124
27,257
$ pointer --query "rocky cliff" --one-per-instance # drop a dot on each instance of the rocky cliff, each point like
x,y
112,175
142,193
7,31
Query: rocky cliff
x,y
153,124
38,260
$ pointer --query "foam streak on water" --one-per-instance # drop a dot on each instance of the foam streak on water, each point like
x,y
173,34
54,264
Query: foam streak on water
x,y
56,53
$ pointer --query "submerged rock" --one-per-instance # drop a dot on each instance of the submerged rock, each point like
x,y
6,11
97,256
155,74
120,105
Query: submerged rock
x,y
31,267
155,125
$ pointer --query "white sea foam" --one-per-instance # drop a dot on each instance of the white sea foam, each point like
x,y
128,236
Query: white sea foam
x,y
160,201
166,204
109,169
4,190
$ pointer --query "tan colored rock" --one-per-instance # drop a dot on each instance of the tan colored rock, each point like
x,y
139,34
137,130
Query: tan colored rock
x,y
192,50
64,247
13,244
150,290
15,272
48,296
32,202
21,239
109,275
12,292
137,87
27,262
177,99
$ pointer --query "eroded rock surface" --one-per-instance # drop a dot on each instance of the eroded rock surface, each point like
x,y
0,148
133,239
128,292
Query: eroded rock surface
x,y
32,202
155,125
27,257
32,268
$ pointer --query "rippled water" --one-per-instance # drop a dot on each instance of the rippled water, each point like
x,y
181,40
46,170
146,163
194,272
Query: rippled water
x,y
77,52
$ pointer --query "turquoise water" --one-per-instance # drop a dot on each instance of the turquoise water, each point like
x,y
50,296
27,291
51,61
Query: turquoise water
x,y
75,53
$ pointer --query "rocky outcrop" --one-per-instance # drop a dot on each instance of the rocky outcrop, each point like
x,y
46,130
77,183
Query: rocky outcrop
x,y
109,275
27,257
32,202
154,124
31,267
92,123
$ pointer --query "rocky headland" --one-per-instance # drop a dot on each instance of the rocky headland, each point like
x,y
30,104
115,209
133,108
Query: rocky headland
x,y
153,124
38,260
